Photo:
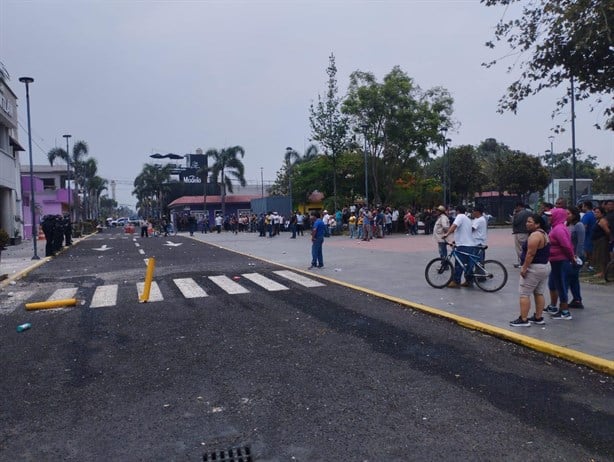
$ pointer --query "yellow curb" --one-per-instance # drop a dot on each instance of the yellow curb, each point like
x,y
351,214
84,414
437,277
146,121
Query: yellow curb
x,y
574,356
51,304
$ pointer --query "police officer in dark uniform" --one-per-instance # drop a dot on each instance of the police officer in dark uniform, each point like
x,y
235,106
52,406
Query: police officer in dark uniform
x,y
58,233
67,225
48,225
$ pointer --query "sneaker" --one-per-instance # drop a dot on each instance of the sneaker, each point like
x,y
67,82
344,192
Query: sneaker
x,y
312,267
566,315
520,323
551,309
534,320
576,304
516,265
467,284
453,285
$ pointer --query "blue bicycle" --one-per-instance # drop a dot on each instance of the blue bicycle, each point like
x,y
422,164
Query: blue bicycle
x,y
489,275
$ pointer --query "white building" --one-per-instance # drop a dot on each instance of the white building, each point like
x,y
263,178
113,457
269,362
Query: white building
x,y
561,187
10,178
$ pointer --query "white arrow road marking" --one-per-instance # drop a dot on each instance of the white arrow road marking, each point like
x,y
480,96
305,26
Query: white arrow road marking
x,y
173,244
227,284
103,248
189,288
104,296
141,251
264,282
299,279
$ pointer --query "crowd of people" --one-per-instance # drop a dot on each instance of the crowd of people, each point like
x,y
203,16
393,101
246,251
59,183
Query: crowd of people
x,y
553,247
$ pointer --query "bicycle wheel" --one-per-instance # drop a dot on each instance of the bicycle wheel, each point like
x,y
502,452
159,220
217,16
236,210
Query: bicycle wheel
x,y
608,274
490,275
439,272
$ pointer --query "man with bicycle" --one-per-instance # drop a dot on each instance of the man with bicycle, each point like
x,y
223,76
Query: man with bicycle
x,y
465,244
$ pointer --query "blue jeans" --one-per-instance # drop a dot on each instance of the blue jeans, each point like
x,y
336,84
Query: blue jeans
x,y
458,269
558,279
573,282
443,249
317,259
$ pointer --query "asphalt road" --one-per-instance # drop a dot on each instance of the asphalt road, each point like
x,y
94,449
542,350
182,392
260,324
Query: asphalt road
x,y
305,373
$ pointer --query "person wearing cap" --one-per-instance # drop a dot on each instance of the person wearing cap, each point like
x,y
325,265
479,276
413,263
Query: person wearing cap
x,y
519,229
442,224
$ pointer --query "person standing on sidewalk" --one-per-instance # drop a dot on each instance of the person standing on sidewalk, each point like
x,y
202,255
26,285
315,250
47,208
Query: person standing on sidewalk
x,y
561,259
534,273
576,229
465,244
317,241
519,228
442,224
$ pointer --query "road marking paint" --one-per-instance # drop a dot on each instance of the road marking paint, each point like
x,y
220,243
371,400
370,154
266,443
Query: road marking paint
x,y
264,282
298,278
154,295
228,285
141,251
189,288
146,260
104,296
137,244
15,300
61,294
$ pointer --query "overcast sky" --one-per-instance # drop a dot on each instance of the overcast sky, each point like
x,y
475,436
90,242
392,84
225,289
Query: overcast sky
x,y
132,78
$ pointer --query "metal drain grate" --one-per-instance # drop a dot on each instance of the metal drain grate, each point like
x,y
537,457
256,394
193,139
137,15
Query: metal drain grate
x,y
242,454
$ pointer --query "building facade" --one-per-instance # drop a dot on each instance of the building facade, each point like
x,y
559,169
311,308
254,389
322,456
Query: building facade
x,y
11,201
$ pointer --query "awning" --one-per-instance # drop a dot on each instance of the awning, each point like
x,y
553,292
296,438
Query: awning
x,y
16,146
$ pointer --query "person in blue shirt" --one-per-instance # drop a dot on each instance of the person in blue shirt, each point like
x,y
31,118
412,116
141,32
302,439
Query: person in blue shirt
x,y
317,240
588,220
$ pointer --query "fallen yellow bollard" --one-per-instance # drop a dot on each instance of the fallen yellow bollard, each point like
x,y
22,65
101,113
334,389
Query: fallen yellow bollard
x,y
51,304
151,264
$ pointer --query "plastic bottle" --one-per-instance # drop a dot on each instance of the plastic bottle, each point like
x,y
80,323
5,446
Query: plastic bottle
x,y
22,327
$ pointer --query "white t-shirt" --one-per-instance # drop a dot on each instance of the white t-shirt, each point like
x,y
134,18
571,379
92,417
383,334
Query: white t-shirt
x,y
480,230
463,233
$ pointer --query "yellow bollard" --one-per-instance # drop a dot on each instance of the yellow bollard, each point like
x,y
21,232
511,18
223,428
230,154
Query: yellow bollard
x,y
51,304
151,264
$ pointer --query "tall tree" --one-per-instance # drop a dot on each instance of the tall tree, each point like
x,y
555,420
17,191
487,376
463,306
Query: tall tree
x,y
398,122
227,165
150,188
329,127
552,41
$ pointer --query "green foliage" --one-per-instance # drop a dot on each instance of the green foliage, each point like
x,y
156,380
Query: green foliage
x,y
560,164
552,41
603,181
150,188
398,121
329,127
227,166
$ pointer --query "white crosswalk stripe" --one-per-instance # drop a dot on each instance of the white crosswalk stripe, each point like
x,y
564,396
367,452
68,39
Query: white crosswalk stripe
x,y
104,296
189,288
228,285
298,278
264,282
61,294
154,293
108,295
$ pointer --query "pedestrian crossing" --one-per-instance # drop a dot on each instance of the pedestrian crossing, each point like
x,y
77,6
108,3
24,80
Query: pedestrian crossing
x,y
190,288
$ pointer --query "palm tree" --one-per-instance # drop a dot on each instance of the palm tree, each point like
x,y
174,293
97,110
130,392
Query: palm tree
x,y
150,187
226,163
95,187
79,152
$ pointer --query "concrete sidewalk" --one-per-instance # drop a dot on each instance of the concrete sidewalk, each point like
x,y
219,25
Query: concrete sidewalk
x,y
393,267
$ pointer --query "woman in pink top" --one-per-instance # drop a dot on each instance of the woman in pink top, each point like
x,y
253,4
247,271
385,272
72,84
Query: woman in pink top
x,y
561,259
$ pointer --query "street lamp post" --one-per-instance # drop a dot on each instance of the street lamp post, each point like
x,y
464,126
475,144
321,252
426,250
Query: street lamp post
x,y
551,195
573,144
28,81
445,169
261,182
68,174
366,166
